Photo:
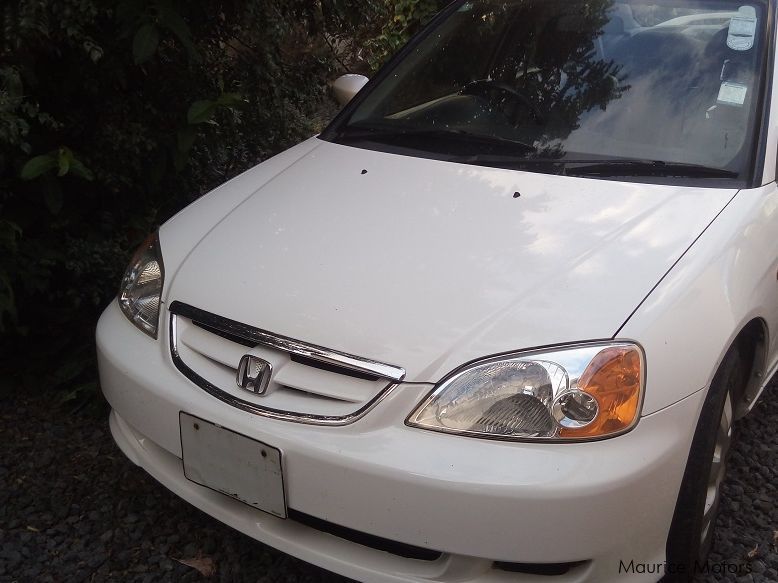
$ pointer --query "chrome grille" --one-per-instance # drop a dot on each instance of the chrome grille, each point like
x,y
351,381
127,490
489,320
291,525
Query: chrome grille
x,y
310,384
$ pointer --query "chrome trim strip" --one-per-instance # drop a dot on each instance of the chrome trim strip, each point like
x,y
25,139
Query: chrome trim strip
x,y
290,345
255,409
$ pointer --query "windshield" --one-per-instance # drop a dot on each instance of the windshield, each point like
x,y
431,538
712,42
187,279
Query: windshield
x,y
657,88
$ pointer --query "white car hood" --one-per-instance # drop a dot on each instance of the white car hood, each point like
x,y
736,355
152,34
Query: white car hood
x,y
428,265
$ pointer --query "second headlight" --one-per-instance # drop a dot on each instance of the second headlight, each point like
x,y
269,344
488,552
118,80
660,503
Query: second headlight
x,y
140,294
581,392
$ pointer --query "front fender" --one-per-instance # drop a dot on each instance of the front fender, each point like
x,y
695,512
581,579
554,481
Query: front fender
x,y
725,280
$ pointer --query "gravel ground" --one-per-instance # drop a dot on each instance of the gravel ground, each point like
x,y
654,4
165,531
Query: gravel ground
x,y
72,508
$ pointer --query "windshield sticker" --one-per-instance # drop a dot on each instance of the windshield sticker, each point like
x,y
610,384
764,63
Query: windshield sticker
x,y
742,29
732,93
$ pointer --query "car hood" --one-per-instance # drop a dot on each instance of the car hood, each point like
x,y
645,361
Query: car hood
x,y
429,264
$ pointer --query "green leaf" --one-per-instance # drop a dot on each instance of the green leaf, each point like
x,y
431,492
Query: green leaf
x,y
38,166
9,233
230,99
12,85
200,111
145,43
78,169
64,157
53,199
94,50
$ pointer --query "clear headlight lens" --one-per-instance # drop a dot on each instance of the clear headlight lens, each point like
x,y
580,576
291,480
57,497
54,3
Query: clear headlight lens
x,y
140,294
576,393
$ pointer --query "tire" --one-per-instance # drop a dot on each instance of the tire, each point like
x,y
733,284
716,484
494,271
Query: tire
x,y
691,531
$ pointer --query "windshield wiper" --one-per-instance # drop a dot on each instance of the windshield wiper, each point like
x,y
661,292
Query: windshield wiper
x,y
638,167
378,133
612,167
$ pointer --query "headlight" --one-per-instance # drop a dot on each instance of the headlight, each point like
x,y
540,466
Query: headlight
x,y
140,294
577,393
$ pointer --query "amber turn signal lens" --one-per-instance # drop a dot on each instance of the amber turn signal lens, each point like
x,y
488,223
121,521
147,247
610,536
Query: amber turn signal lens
x,y
614,379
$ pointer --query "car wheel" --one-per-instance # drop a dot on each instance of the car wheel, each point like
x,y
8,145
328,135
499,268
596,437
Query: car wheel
x,y
691,532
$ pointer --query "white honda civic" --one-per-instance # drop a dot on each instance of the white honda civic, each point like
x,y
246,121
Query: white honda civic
x,y
496,322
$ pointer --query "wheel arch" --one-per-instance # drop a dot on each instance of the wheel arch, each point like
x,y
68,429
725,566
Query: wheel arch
x,y
752,340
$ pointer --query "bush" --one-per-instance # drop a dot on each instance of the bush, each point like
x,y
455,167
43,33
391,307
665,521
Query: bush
x,y
115,115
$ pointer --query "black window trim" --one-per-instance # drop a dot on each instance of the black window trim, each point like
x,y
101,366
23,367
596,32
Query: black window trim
x,y
765,94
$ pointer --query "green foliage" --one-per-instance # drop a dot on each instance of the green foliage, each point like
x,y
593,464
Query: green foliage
x,y
115,115
61,159
145,43
405,18
362,34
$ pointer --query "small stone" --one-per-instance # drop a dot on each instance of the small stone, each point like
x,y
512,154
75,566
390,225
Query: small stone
x,y
209,546
13,557
757,567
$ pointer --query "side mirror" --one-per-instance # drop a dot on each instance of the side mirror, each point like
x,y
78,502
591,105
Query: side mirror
x,y
346,87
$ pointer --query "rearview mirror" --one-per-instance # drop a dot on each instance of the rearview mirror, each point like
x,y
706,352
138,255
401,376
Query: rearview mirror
x,y
347,86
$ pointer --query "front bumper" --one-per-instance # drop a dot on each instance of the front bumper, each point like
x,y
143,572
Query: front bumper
x,y
478,502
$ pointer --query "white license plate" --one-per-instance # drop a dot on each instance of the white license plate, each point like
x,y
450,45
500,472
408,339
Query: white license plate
x,y
233,464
